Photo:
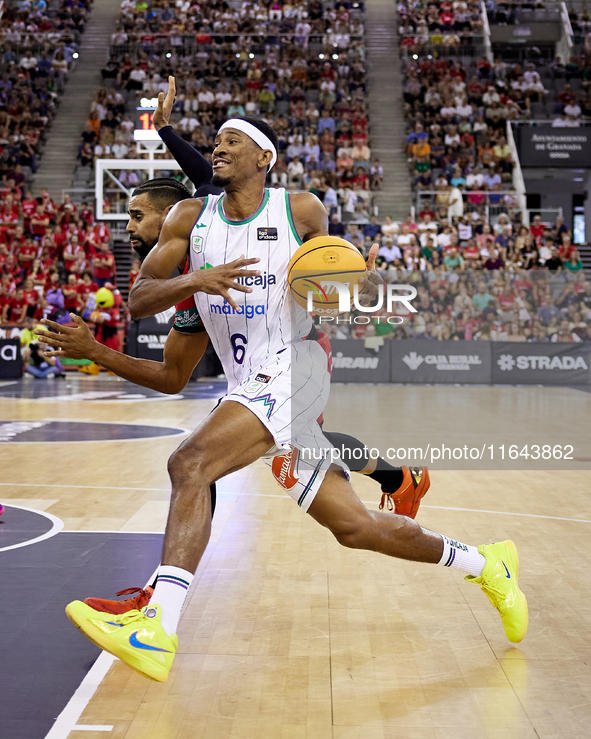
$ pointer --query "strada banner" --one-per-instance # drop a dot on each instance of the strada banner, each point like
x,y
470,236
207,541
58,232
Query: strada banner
x,y
437,362
545,146
352,362
11,363
541,364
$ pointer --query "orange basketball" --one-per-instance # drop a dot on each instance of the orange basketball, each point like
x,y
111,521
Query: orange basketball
x,y
325,267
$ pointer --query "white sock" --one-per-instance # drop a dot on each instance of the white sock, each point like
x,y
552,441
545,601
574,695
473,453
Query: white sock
x,y
462,557
172,586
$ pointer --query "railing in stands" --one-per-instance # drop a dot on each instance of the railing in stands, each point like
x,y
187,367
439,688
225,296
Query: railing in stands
x,y
492,203
518,181
566,43
486,33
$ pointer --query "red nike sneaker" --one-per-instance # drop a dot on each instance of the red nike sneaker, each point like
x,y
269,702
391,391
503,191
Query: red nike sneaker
x,y
406,500
118,607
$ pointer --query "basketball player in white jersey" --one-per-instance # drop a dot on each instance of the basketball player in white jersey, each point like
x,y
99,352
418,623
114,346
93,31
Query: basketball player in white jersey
x,y
277,387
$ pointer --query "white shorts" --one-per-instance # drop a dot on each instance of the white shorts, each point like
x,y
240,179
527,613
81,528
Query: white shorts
x,y
288,394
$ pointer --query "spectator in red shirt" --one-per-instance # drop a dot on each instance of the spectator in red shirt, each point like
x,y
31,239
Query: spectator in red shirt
x,y
537,229
31,296
74,256
566,248
104,265
134,272
11,267
361,178
27,253
29,206
39,222
16,309
85,287
101,232
71,295
86,214
66,210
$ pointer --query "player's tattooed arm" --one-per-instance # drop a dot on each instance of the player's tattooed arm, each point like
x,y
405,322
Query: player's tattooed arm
x,y
155,290
309,215
182,353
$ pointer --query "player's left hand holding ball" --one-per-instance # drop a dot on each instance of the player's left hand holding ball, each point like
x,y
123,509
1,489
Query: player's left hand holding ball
x,y
68,342
371,282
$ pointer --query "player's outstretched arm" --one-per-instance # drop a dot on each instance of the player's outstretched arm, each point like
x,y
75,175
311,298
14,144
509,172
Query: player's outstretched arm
x,y
182,353
192,162
155,291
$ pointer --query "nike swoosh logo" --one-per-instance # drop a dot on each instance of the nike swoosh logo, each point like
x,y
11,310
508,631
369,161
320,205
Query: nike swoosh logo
x,y
135,642
112,623
506,570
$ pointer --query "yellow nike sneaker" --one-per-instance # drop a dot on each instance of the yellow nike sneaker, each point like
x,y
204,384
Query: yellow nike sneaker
x,y
136,637
499,583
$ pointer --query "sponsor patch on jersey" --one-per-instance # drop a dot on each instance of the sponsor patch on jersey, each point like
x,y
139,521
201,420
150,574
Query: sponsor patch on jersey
x,y
197,244
263,378
284,469
267,233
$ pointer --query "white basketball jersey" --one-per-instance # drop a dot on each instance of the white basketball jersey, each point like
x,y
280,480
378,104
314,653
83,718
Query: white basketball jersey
x,y
267,319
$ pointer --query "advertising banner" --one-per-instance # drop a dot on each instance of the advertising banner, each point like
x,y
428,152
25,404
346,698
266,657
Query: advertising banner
x,y
541,364
438,362
11,363
352,362
147,336
545,146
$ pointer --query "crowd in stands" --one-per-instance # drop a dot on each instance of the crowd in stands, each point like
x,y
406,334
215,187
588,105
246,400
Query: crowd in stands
x,y
450,24
477,281
37,51
52,257
299,66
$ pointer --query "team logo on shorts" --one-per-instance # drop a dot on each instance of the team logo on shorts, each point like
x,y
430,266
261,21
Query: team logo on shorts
x,y
197,244
284,469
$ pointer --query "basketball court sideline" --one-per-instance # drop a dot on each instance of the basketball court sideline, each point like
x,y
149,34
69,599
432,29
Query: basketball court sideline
x,y
285,633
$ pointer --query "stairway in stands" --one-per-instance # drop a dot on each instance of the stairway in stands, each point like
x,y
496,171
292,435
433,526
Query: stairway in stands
x,y
386,108
123,258
585,254
59,157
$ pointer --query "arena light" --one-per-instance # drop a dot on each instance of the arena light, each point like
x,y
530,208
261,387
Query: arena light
x,y
168,55
321,56
415,56
237,56
251,55
335,56
75,55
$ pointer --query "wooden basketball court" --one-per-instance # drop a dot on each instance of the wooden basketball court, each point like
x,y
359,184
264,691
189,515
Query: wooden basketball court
x,y
285,634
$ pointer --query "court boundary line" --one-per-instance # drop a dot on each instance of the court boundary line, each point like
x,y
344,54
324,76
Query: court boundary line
x,y
67,720
263,495
57,526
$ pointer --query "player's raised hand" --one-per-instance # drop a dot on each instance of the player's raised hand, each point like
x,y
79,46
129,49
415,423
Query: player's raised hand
x,y
67,342
371,258
218,280
163,112
370,283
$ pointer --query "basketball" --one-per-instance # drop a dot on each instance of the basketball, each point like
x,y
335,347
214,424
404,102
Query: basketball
x,y
321,266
